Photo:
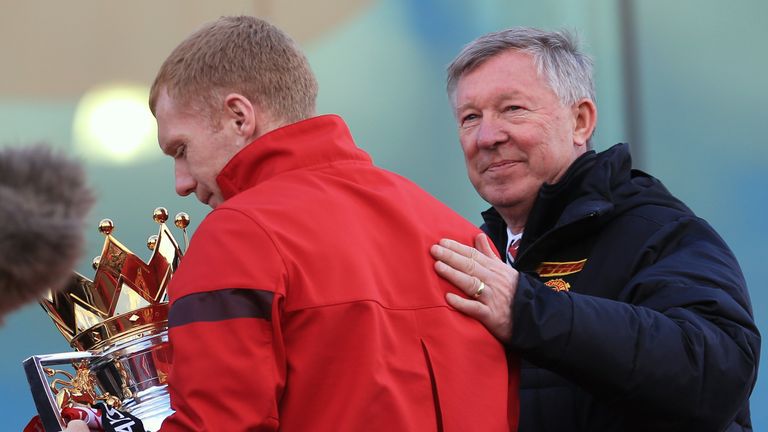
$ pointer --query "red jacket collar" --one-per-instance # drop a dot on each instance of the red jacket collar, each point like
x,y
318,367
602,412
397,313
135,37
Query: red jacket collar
x,y
316,141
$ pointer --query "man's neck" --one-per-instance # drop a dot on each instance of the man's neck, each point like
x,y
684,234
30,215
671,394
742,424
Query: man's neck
x,y
515,216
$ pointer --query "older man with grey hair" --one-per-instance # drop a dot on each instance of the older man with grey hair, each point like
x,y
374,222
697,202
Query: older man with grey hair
x,y
630,312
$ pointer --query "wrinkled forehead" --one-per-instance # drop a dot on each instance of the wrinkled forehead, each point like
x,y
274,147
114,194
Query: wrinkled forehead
x,y
510,60
510,70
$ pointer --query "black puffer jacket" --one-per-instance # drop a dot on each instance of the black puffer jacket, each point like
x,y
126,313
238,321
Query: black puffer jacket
x,y
653,332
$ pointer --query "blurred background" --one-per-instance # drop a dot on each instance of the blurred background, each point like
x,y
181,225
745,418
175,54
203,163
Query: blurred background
x,y
683,82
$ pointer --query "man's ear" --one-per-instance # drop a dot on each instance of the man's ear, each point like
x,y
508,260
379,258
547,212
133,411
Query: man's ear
x,y
240,115
585,119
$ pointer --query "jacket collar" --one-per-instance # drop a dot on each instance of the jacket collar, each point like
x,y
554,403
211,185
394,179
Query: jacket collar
x,y
316,141
547,194
496,229
584,190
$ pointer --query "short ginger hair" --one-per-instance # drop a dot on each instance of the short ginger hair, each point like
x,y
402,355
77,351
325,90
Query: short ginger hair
x,y
240,54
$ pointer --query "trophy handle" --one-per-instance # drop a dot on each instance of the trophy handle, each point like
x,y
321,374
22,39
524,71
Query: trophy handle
x,y
45,401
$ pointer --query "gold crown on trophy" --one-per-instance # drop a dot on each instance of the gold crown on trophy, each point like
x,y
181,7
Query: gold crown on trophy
x,y
127,297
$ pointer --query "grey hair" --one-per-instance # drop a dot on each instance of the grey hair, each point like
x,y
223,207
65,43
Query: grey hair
x,y
555,54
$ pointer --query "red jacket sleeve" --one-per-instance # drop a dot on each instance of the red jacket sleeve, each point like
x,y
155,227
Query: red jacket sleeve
x,y
228,361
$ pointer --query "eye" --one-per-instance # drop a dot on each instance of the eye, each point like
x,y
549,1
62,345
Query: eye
x,y
510,108
181,151
469,118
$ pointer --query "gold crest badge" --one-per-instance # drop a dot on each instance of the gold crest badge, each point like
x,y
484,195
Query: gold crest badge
x,y
558,285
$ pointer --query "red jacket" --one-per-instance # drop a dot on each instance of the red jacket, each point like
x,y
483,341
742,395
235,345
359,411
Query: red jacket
x,y
308,302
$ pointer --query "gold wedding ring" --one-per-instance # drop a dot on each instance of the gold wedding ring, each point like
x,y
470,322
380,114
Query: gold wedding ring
x,y
479,290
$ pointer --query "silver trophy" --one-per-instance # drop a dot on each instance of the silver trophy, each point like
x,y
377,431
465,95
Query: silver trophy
x,y
118,323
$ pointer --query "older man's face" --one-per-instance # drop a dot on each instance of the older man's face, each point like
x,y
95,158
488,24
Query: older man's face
x,y
515,133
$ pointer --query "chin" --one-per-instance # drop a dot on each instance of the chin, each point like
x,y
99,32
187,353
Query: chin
x,y
213,202
502,199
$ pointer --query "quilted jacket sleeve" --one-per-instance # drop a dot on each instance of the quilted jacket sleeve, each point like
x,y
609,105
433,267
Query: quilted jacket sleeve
x,y
683,344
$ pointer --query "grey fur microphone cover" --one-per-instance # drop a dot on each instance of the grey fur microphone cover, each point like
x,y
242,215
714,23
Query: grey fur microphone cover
x,y
44,200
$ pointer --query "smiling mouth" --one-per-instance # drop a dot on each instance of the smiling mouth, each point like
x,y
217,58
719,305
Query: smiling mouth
x,y
501,165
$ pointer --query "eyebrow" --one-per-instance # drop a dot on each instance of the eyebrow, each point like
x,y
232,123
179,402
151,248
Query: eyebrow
x,y
462,107
496,99
172,147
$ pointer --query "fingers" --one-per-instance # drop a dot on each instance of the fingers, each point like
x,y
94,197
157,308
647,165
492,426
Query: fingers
x,y
488,282
463,281
468,268
483,244
76,426
471,264
479,291
484,252
481,263
470,308
456,261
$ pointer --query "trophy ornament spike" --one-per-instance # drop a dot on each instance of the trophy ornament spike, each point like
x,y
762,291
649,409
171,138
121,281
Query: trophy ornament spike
x,y
106,226
152,242
94,313
118,321
160,215
182,222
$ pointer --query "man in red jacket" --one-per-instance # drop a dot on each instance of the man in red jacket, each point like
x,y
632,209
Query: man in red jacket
x,y
307,300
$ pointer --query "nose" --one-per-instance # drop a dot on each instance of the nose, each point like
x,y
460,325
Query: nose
x,y
185,183
490,132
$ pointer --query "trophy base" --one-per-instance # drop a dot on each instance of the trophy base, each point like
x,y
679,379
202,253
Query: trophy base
x,y
151,406
131,371
134,371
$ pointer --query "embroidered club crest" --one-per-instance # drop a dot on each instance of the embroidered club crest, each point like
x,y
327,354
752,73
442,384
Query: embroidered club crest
x,y
558,284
